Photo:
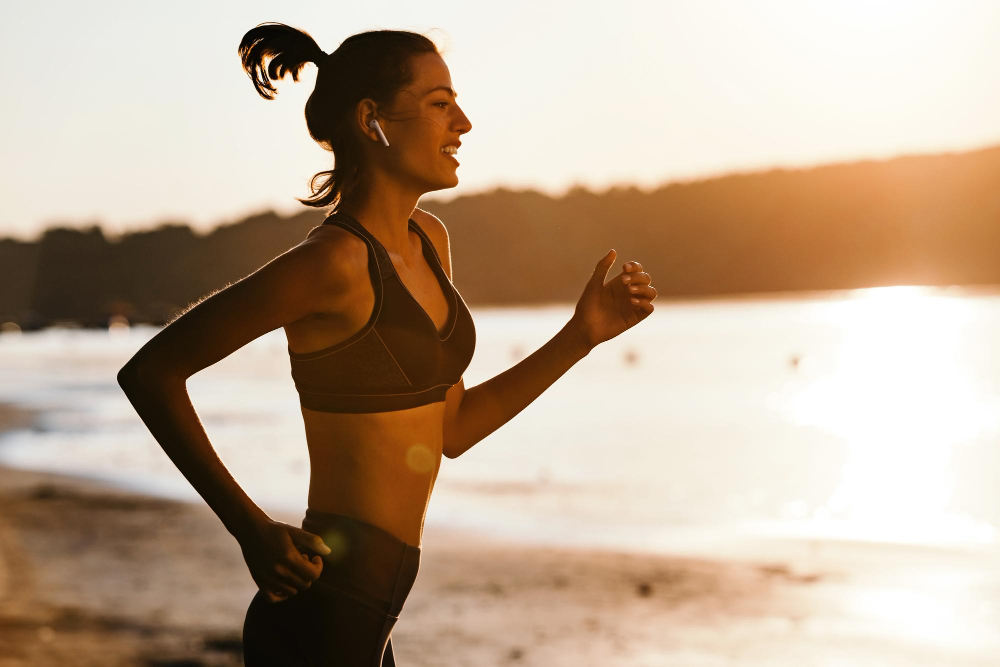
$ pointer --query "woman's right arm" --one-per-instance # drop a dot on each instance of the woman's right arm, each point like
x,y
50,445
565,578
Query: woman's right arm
x,y
311,277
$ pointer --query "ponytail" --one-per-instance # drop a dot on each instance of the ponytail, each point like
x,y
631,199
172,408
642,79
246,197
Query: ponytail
x,y
289,49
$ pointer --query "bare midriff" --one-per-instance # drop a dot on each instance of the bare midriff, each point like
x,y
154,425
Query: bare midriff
x,y
379,467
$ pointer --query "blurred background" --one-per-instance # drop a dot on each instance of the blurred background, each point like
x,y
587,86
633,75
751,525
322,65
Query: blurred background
x,y
814,188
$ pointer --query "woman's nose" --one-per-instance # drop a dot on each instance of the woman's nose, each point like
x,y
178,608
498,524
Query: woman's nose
x,y
464,122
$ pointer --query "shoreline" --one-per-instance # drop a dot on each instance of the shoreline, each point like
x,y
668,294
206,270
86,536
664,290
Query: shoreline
x,y
832,293
91,574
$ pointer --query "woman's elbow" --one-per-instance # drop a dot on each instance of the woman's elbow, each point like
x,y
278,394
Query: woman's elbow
x,y
130,376
137,373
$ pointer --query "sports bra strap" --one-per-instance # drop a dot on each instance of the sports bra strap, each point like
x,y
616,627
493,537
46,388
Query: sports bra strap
x,y
427,241
343,220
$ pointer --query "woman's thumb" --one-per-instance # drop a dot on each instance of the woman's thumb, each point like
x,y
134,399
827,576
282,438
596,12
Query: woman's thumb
x,y
603,266
310,541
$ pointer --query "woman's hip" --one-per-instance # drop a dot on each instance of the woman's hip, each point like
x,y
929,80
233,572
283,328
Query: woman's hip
x,y
366,562
349,612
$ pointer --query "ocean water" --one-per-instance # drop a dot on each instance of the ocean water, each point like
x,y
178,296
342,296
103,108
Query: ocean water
x,y
862,415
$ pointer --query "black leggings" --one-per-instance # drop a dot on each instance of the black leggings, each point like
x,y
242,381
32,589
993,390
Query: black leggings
x,y
346,616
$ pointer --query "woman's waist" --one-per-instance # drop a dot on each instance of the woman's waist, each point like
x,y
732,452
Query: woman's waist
x,y
395,509
376,468
379,475
374,460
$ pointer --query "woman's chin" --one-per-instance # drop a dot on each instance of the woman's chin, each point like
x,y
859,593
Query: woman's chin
x,y
444,184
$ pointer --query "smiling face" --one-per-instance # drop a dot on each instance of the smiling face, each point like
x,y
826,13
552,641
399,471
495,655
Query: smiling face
x,y
424,118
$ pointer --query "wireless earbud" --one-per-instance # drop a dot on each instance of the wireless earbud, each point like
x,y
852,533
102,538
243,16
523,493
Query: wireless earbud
x,y
378,130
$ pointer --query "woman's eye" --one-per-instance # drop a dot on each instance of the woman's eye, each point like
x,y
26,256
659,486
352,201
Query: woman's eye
x,y
437,103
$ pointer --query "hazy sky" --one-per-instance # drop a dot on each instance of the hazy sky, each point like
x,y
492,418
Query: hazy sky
x,y
129,115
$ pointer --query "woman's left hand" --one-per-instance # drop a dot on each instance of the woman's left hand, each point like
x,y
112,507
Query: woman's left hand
x,y
606,310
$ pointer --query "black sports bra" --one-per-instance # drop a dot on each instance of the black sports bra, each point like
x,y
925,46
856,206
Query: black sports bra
x,y
398,359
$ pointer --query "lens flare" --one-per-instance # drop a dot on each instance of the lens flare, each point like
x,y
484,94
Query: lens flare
x,y
420,459
338,544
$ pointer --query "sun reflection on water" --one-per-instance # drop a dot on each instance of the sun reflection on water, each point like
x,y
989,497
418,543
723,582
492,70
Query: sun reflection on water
x,y
902,397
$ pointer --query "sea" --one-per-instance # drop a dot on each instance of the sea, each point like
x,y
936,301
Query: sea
x,y
867,415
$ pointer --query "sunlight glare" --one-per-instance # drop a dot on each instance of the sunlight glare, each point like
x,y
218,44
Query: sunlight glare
x,y
935,618
902,398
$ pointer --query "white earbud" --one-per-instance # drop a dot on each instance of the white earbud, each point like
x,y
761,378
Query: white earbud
x,y
378,130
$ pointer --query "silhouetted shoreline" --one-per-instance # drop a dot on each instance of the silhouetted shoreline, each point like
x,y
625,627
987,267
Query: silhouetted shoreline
x,y
913,220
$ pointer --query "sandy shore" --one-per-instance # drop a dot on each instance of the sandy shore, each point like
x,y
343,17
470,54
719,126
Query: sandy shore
x,y
93,575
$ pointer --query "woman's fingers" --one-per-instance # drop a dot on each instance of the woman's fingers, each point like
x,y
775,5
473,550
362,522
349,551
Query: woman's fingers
x,y
639,289
286,576
636,278
286,583
642,291
644,304
309,541
638,283
280,587
301,565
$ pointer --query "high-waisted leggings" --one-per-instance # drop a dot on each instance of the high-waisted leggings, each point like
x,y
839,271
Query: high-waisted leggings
x,y
346,616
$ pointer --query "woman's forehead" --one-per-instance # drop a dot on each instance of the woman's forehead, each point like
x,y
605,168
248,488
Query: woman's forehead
x,y
430,69
430,74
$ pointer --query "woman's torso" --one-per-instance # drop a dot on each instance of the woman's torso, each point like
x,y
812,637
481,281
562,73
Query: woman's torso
x,y
378,466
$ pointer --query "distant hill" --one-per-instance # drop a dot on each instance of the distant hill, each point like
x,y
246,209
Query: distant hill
x,y
913,220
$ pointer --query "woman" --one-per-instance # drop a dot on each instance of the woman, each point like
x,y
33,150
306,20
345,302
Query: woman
x,y
378,339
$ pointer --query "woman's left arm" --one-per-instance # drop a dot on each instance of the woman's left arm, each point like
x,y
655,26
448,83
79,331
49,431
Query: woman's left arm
x,y
603,311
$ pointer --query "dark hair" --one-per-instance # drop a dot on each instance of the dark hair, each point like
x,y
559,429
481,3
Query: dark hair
x,y
374,64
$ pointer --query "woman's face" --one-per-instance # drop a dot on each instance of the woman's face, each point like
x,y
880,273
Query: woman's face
x,y
424,118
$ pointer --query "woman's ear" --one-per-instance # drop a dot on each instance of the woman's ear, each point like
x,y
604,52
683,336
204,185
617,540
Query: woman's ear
x,y
365,114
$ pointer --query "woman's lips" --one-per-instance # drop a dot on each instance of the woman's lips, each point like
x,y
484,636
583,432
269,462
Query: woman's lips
x,y
451,157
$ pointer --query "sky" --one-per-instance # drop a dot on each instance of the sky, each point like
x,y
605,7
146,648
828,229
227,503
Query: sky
x,y
130,115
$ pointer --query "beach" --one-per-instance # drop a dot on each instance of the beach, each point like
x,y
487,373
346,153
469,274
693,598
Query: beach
x,y
94,575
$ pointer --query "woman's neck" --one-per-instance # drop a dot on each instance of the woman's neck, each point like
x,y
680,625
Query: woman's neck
x,y
386,216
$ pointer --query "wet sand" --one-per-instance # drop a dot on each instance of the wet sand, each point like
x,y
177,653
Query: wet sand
x,y
94,575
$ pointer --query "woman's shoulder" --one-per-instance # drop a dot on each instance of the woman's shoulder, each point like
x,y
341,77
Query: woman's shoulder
x,y
335,240
343,254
